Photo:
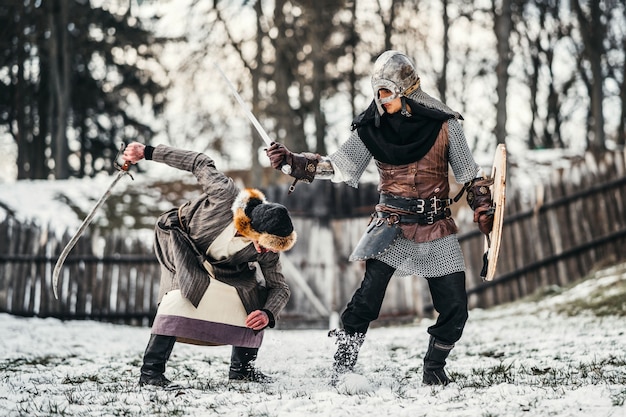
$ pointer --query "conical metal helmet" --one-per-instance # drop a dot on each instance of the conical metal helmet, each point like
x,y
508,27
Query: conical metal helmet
x,y
395,72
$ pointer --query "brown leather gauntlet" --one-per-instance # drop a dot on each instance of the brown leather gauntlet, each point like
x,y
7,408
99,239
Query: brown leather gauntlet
x,y
479,199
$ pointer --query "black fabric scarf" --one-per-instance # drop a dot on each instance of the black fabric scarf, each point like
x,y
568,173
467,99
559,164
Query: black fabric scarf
x,y
400,139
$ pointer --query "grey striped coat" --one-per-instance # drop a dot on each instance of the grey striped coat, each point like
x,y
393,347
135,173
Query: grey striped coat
x,y
184,235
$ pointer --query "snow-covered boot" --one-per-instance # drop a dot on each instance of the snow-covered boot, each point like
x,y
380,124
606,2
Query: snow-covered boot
x,y
154,359
348,346
242,366
434,362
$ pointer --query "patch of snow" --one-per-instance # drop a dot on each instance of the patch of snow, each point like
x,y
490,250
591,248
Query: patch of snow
x,y
352,384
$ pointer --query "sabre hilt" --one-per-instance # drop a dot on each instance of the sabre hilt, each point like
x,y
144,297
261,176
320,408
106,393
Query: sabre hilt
x,y
126,165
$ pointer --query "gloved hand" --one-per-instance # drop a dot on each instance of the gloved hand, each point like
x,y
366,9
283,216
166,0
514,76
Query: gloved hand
x,y
479,199
278,155
484,218
303,165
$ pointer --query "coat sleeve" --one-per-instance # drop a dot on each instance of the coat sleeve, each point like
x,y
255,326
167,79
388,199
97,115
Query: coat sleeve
x,y
278,291
212,181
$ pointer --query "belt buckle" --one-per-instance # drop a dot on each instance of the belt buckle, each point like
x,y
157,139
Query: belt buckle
x,y
420,207
434,207
393,219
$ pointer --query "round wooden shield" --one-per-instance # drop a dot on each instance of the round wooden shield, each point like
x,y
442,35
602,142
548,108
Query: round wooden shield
x,y
498,191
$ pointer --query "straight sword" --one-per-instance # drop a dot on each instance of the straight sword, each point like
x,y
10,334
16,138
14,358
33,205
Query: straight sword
x,y
268,141
123,170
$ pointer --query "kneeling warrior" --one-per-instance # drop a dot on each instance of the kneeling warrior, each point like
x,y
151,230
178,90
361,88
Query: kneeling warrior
x,y
412,138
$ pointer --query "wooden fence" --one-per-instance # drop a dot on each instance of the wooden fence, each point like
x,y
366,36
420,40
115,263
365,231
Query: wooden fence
x,y
111,277
554,236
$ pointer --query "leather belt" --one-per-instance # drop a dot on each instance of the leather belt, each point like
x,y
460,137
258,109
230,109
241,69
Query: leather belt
x,y
432,205
421,219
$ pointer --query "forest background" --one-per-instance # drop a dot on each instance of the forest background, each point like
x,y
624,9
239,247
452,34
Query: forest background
x,y
77,78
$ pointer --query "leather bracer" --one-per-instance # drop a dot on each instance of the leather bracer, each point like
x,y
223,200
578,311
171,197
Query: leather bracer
x,y
304,166
479,193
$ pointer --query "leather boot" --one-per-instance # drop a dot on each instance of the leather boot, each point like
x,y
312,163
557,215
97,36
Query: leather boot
x,y
434,362
154,359
242,366
348,346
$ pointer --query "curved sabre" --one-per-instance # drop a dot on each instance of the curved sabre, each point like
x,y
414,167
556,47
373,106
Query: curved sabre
x,y
57,268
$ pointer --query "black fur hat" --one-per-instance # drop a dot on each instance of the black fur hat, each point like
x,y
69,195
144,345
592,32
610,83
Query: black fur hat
x,y
268,223
272,218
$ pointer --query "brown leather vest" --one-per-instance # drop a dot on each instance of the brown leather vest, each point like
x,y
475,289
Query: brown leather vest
x,y
425,178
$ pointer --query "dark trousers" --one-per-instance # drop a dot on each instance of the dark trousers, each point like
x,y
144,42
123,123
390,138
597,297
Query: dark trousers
x,y
447,292
450,301
160,347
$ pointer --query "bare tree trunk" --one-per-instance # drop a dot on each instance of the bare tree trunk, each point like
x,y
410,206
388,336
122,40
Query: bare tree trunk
x,y
597,97
593,32
59,85
30,127
388,23
290,123
502,21
353,43
621,134
533,140
19,133
319,77
443,77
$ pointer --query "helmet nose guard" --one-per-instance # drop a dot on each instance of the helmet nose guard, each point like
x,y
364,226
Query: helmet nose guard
x,y
395,72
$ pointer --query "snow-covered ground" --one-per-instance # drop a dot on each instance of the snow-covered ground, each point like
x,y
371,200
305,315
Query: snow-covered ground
x,y
526,359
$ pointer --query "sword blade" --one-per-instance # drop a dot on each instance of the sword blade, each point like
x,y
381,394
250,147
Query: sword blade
x,y
251,116
79,232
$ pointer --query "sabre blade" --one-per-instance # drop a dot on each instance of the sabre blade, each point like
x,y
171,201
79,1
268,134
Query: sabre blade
x,y
286,169
80,231
268,141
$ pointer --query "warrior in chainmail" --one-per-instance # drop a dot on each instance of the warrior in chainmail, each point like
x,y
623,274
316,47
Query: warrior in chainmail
x,y
413,138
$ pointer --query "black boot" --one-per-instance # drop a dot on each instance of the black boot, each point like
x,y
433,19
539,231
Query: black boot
x,y
434,362
157,353
242,366
348,346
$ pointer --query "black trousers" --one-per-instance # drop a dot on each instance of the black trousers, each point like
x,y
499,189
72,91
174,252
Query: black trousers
x,y
448,294
160,347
